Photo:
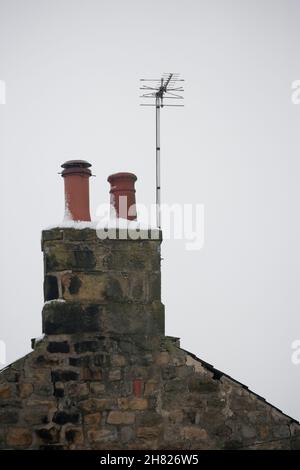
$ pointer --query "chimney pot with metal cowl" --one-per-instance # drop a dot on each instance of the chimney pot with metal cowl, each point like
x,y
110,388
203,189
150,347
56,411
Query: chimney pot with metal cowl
x,y
76,174
122,195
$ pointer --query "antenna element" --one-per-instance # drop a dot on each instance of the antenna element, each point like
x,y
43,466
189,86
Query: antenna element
x,y
161,90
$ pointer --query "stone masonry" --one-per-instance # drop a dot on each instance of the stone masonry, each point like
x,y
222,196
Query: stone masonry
x,y
105,376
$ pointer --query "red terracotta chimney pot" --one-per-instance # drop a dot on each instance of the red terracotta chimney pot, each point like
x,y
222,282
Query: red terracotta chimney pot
x,y
122,191
76,175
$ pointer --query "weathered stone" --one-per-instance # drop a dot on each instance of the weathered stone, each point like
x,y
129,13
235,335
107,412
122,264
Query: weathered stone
x,y
70,317
194,433
95,404
148,432
169,372
58,347
19,437
62,417
143,319
75,284
51,290
87,373
75,389
82,361
25,389
11,375
248,431
203,386
5,391
97,388
114,374
101,435
102,360
84,259
92,419
53,234
281,431
176,385
149,418
8,416
64,375
48,435
74,436
86,346
175,416
133,403
59,392
118,360
121,417
163,358
151,387
295,443
36,415
126,434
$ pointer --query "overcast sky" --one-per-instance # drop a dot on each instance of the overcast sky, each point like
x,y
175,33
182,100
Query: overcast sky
x,y
71,70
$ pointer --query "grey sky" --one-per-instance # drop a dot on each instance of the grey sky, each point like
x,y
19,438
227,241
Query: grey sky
x,y
71,70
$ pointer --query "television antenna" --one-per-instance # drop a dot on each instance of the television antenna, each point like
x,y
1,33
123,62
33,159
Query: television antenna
x,y
168,87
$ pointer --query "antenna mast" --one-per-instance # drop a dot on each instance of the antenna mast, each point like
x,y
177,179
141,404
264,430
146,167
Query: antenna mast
x,y
166,88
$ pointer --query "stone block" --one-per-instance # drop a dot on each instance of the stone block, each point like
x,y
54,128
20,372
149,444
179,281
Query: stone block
x,y
86,346
64,375
151,387
118,360
114,375
19,437
148,432
126,434
133,319
101,435
194,433
121,417
81,361
25,389
97,388
77,389
133,403
5,391
70,318
48,435
63,417
36,415
74,436
58,347
97,404
201,385
90,374
8,416
92,419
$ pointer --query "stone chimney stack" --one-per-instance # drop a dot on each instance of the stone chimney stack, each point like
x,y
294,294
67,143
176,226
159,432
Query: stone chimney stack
x,y
109,286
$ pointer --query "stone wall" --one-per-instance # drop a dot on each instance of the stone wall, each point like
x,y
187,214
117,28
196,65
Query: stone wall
x,y
105,376
115,392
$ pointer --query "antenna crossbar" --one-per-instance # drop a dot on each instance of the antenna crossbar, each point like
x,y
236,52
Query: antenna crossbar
x,y
164,88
